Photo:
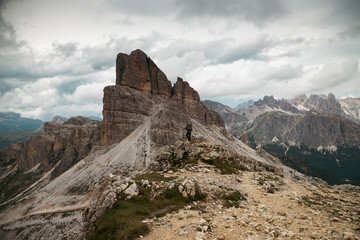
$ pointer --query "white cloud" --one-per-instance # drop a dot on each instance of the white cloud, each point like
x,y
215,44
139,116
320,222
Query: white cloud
x,y
239,78
258,78
335,74
55,63
86,94
176,66
48,97
254,11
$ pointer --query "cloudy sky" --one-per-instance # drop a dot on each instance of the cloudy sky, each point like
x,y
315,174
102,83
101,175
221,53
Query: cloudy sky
x,y
57,56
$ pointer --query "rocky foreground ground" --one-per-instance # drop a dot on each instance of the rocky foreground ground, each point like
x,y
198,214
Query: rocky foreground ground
x,y
203,191
295,210
239,202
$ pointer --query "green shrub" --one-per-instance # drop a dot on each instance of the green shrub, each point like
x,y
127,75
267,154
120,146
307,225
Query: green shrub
x,y
232,199
123,220
226,166
153,176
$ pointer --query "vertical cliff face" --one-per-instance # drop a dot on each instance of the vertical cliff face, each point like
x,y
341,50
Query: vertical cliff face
x,y
138,71
142,91
59,144
184,91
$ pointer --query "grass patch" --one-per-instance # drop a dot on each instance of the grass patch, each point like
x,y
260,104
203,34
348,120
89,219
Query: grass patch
x,y
232,199
186,160
81,189
307,201
17,182
270,183
153,176
226,166
19,230
123,220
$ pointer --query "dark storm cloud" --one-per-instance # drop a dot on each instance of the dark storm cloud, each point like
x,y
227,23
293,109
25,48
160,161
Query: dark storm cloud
x,y
142,7
283,73
252,50
256,11
228,50
9,48
22,64
344,12
70,87
7,36
332,75
65,49
351,33
7,32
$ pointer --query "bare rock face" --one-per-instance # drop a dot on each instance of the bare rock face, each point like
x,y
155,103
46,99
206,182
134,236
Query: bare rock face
x,y
58,119
142,90
318,129
278,104
327,105
59,144
351,107
138,71
313,129
10,153
229,115
322,103
184,91
124,110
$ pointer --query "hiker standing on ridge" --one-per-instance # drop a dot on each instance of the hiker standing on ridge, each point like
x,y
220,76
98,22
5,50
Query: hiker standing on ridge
x,y
188,131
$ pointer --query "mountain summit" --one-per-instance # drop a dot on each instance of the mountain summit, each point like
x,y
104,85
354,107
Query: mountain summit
x,y
143,90
136,174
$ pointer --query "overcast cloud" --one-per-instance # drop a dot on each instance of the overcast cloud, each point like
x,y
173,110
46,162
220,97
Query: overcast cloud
x,y
57,56
255,11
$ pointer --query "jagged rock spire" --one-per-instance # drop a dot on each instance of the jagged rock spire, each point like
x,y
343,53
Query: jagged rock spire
x,y
138,71
142,90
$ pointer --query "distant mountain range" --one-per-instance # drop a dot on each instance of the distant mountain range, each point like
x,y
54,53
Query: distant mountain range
x,y
131,173
14,128
12,122
318,135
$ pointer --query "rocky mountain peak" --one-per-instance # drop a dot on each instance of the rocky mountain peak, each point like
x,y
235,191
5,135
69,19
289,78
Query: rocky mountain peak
x,y
273,103
138,71
58,119
300,97
323,103
269,99
65,185
142,90
183,90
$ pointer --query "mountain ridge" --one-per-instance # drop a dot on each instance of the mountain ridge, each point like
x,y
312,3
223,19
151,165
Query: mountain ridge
x,y
12,122
139,159
313,135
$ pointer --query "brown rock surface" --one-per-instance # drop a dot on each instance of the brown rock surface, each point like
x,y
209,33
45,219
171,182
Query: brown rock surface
x,y
10,153
67,143
142,91
138,71
277,104
313,129
183,90
228,114
296,210
322,103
